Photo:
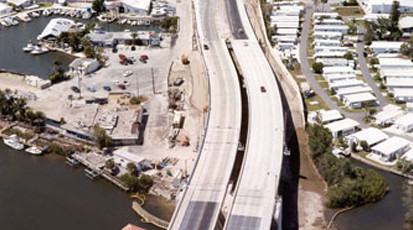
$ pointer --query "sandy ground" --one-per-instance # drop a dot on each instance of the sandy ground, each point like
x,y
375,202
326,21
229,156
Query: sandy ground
x,y
311,210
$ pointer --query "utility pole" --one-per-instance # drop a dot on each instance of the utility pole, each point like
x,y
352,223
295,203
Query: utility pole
x,y
79,72
137,85
153,81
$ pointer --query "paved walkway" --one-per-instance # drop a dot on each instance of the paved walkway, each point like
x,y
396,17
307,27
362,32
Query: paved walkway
x,y
306,69
365,70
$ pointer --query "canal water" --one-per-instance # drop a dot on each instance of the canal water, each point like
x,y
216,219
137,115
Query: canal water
x,y
13,39
42,192
387,214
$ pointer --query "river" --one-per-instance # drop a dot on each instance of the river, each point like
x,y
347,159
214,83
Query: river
x,y
42,192
13,39
387,214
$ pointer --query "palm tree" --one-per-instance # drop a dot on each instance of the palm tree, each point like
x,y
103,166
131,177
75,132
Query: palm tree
x,y
131,167
134,35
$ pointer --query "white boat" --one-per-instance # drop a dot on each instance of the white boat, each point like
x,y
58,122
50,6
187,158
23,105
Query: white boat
x,y
123,21
5,23
35,14
12,21
86,15
134,23
128,22
39,50
23,17
159,12
29,47
34,150
102,18
13,143
147,22
47,13
62,12
140,22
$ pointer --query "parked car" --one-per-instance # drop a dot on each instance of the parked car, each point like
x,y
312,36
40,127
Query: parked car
x,y
263,90
206,47
75,89
122,86
125,83
107,88
143,60
144,56
127,73
91,89
133,59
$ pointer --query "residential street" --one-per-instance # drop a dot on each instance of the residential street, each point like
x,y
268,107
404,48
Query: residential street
x,y
365,70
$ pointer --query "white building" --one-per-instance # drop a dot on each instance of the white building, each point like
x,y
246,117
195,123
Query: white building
x,y
395,63
401,83
338,70
327,35
332,28
287,39
396,73
385,47
84,65
136,7
331,78
406,24
384,6
318,15
355,101
287,32
345,84
352,90
388,115
122,157
371,135
20,3
55,28
329,54
405,123
342,128
286,25
391,148
335,62
326,116
405,95
329,21
318,49
5,9
326,42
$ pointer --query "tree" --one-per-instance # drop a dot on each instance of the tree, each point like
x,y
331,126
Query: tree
x,y
135,100
348,55
141,184
134,36
318,67
319,140
364,145
394,16
101,138
110,164
89,51
98,6
131,167
374,61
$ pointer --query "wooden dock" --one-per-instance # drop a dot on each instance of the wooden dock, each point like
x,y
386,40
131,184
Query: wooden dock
x,y
149,218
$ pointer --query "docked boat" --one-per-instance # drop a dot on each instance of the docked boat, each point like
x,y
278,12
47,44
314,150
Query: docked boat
x,y
23,17
12,21
123,21
71,161
140,22
147,22
73,13
86,15
102,18
5,23
34,150
39,50
29,47
133,23
35,14
62,12
46,13
13,143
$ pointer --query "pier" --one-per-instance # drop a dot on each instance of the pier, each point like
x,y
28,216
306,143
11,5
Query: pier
x,y
149,218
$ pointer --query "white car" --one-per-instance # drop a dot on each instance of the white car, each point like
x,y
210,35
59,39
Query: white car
x,y
127,73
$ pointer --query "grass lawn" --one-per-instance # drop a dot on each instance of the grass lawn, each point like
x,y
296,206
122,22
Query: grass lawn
x,y
321,104
350,11
337,101
323,84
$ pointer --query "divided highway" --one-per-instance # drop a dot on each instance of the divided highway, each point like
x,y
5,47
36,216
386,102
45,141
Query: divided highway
x,y
255,196
200,203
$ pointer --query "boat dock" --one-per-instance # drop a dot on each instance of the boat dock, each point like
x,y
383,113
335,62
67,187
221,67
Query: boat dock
x,y
149,218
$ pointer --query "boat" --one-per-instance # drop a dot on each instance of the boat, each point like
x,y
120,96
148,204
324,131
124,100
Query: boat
x,y
147,22
13,143
29,47
140,22
34,150
128,22
159,12
86,15
102,18
39,50
133,23
62,12
79,14
5,23
71,161
23,17
410,182
12,21
46,13
35,14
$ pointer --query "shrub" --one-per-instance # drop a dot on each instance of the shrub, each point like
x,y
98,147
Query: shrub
x,y
318,67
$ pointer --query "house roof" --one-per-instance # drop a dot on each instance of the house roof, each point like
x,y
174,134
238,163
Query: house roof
x,y
359,97
56,26
138,4
337,69
395,62
395,72
82,63
370,135
341,125
353,90
401,92
123,153
405,120
347,83
406,22
330,115
405,82
391,145
385,45
408,155
389,112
